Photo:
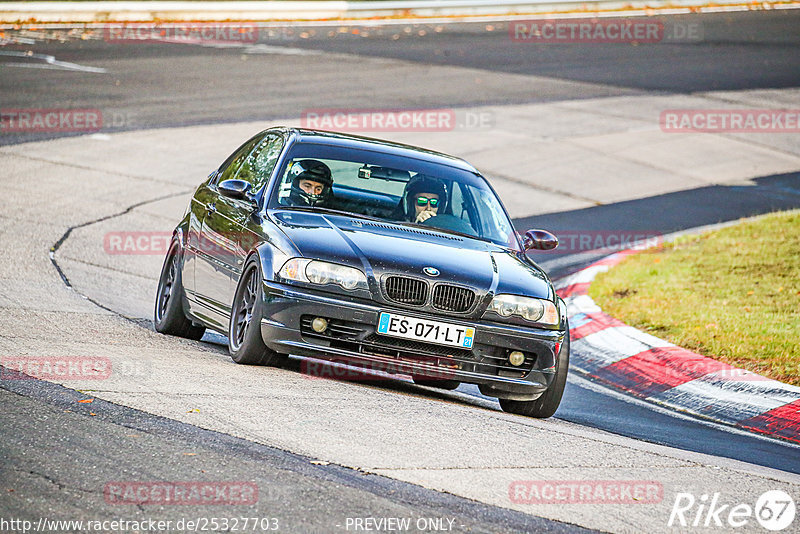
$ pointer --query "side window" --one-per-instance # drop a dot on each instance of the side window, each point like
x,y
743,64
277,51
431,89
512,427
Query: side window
x,y
259,164
234,163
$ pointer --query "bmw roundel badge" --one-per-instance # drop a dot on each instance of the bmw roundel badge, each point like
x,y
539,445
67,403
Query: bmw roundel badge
x,y
431,271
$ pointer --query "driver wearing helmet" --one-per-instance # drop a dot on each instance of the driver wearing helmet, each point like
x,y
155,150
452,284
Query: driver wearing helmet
x,y
311,183
425,197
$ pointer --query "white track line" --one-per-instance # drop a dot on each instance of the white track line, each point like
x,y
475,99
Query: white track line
x,y
50,62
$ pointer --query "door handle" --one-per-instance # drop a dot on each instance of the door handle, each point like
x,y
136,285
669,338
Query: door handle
x,y
211,208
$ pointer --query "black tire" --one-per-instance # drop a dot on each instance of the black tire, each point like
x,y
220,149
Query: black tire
x,y
244,330
546,405
449,385
168,316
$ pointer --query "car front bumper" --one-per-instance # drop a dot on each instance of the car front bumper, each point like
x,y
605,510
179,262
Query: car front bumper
x,y
351,338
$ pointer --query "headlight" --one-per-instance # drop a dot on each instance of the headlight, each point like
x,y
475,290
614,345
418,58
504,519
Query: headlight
x,y
322,272
530,309
294,269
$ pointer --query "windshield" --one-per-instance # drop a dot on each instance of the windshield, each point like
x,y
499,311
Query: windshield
x,y
393,189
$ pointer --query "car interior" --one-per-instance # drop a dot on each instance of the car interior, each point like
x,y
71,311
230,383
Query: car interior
x,y
378,192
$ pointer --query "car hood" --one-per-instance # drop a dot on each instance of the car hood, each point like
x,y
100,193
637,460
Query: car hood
x,y
380,248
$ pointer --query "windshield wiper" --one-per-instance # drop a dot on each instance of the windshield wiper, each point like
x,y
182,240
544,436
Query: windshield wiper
x,y
331,211
443,230
384,221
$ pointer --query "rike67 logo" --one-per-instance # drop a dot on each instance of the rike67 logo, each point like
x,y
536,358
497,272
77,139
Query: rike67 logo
x,y
774,510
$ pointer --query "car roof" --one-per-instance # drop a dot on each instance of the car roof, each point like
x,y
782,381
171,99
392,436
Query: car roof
x,y
305,135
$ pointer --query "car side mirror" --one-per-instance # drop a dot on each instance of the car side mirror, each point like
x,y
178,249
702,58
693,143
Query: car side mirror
x,y
539,240
236,189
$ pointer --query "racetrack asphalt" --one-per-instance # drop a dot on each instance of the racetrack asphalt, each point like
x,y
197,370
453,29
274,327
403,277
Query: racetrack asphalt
x,y
163,85
68,453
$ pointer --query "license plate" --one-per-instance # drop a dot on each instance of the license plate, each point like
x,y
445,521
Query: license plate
x,y
392,324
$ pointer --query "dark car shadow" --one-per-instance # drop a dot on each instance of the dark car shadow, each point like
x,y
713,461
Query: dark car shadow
x,y
323,370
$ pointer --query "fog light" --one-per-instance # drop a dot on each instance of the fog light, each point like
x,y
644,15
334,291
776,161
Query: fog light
x,y
319,325
516,358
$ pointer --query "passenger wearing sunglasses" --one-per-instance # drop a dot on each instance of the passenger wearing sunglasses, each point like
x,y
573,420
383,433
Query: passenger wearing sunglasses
x,y
424,197
426,204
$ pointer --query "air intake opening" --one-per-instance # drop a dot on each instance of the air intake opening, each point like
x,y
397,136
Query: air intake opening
x,y
406,290
453,298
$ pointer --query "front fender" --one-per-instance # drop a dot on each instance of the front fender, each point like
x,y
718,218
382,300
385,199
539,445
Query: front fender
x,y
271,259
562,310
181,232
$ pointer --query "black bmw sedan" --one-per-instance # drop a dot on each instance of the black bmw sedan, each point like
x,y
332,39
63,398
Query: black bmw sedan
x,y
370,253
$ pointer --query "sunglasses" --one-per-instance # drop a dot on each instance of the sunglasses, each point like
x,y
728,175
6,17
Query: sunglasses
x,y
423,201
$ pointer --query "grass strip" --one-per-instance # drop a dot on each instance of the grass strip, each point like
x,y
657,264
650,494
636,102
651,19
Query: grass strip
x,y
732,294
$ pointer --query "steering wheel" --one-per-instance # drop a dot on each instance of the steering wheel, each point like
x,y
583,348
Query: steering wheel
x,y
449,222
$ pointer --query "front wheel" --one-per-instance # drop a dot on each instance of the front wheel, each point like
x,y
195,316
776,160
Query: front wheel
x,y
168,316
244,332
546,405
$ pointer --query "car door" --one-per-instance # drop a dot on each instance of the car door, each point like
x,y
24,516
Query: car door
x,y
257,171
211,277
197,212
223,241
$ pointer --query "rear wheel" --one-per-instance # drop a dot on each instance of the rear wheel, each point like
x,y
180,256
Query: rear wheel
x,y
546,405
168,316
244,332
